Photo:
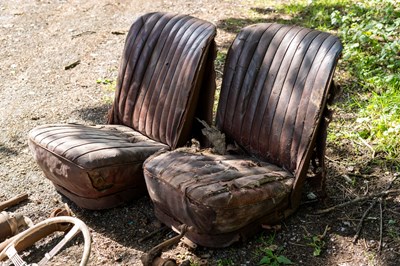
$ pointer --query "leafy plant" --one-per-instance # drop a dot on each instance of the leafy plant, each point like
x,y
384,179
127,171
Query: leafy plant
x,y
225,262
109,86
271,253
105,81
270,258
317,242
194,263
393,231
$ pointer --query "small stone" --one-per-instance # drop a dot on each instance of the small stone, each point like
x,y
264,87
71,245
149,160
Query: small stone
x,y
311,196
206,256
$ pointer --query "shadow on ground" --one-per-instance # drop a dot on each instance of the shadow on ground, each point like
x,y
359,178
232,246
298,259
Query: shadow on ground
x,y
95,114
128,224
7,151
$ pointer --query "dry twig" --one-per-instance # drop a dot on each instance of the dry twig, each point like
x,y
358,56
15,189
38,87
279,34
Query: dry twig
x,y
72,65
394,212
380,194
380,199
360,224
369,147
380,225
151,234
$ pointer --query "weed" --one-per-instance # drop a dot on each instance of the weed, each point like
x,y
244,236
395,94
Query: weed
x,y
194,263
270,258
109,86
317,242
393,231
371,258
225,262
105,81
271,254
220,60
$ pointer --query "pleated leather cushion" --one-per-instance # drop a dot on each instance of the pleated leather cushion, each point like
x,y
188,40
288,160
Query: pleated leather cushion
x,y
160,76
95,166
167,67
275,85
273,96
214,194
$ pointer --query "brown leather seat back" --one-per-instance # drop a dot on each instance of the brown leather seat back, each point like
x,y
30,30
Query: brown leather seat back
x,y
160,79
274,91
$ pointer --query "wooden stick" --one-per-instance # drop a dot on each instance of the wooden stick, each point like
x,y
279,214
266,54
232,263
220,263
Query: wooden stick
x,y
392,211
359,227
360,223
295,244
368,146
13,201
380,194
151,234
380,225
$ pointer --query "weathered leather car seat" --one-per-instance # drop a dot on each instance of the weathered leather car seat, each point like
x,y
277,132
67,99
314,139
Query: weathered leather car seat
x,y
276,84
167,67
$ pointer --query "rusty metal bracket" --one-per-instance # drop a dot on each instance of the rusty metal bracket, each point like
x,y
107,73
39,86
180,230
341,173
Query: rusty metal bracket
x,y
10,224
152,257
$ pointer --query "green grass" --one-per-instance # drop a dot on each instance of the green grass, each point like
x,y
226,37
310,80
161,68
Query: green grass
x,y
370,32
225,262
369,70
109,86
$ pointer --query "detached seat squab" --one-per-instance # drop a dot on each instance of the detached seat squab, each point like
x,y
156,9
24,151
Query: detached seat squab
x,y
273,105
167,66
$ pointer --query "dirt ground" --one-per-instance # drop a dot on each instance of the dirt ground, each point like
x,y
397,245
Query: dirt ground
x,y
38,39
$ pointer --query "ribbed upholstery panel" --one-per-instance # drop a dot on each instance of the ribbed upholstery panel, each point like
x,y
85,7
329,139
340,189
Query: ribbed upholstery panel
x,y
159,79
213,193
95,166
92,147
274,89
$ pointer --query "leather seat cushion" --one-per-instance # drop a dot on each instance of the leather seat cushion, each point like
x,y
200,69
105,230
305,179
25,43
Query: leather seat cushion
x,y
215,194
92,162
